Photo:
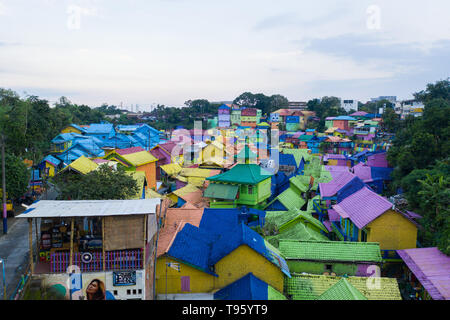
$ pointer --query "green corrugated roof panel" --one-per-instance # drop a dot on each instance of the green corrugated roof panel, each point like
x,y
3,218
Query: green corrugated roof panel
x,y
242,174
221,191
310,287
291,199
296,232
279,218
301,182
331,251
342,290
273,294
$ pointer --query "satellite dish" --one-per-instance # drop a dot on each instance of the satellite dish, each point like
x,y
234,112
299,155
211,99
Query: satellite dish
x,y
86,257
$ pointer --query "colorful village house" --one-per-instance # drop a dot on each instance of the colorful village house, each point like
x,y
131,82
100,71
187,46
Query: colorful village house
x,y
187,194
180,275
426,275
113,241
235,117
368,217
342,122
224,116
166,153
244,184
137,159
312,287
101,131
169,174
49,166
249,117
339,258
148,136
195,177
342,290
82,165
331,159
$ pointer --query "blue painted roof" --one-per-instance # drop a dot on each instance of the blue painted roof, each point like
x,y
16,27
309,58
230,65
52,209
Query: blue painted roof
x,y
248,287
64,137
219,221
100,128
51,159
344,118
77,127
192,245
287,160
350,188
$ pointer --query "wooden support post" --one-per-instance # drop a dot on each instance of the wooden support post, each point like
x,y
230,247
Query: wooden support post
x,y
72,222
38,247
103,244
144,260
30,239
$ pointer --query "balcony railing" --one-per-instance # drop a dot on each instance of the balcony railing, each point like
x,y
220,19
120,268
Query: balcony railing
x,y
114,260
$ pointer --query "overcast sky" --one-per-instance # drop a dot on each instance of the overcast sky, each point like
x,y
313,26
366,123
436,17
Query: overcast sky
x,y
169,51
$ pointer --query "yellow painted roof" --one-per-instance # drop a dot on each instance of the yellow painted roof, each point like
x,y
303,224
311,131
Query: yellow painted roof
x,y
171,169
189,188
195,172
150,194
139,158
196,181
83,165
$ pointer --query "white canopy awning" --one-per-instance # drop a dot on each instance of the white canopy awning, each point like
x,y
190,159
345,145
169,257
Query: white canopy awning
x,y
89,208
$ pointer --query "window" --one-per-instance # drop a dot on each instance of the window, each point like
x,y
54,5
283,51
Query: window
x,y
115,292
328,268
140,291
134,291
128,292
250,189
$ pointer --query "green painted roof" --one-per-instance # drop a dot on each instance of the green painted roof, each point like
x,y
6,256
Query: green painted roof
x,y
243,174
291,199
300,182
331,251
273,294
314,167
342,290
297,231
305,137
221,191
310,287
279,218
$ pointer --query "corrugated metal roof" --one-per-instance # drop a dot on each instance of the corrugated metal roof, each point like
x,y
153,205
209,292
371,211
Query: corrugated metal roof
x,y
172,169
243,174
82,165
342,290
139,158
89,208
221,191
432,269
331,251
310,287
362,207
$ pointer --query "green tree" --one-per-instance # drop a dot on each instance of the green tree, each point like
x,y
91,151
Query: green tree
x,y
17,176
101,184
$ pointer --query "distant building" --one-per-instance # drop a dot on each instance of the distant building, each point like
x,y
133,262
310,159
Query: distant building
x,y
301,105
409,107
391,99
348,105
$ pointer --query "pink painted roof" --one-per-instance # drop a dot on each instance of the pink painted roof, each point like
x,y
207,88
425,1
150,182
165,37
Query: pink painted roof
x,y
169,146
329,189
378,160
363,172
358,113
161,155
432,268
362,207
98,161
129,150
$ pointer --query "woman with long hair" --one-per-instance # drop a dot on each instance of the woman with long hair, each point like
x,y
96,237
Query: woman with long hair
x,y
95,290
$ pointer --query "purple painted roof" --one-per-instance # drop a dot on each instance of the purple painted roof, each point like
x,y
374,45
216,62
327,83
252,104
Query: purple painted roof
x,y
329,156
333,215
362,207
377,160
358,113
363,172
330,189
327,225
432,268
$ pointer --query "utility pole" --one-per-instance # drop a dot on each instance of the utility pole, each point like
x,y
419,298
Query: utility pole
x,y
5,219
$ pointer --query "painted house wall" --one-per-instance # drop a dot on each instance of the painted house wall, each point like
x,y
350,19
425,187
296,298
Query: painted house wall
x,y
51,169
150,173
70,129
200,281
392,231
315,267
244,260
